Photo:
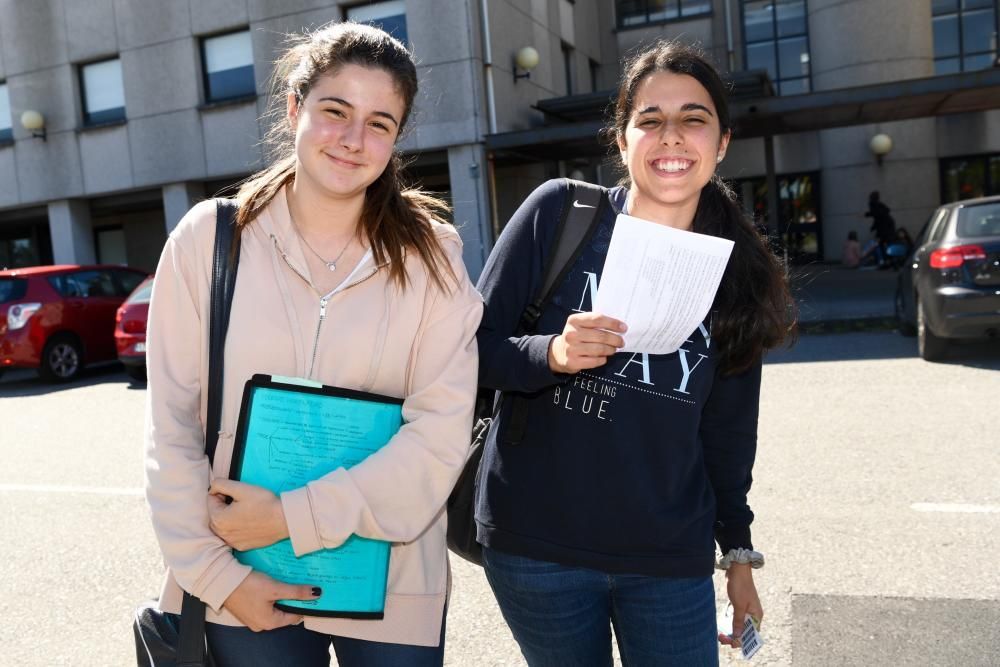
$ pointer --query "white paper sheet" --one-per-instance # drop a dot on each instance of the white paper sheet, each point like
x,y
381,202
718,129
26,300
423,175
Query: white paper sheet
x,y
660,282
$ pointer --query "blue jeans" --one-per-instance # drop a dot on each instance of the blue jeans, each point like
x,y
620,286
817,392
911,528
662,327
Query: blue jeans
x,y
295,645
563,615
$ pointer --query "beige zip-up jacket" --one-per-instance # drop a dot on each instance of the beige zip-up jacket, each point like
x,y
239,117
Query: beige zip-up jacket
x,y
418,345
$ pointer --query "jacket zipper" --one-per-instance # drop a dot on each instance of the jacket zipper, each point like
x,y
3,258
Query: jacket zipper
x,y
322,316
324,300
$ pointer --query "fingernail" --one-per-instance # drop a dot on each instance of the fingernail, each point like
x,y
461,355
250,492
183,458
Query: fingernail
x,y
317,591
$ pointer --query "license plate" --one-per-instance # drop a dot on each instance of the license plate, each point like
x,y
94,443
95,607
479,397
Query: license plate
x,y
140,347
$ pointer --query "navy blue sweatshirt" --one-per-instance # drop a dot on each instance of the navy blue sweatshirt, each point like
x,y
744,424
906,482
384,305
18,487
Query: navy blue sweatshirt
x,y
632,467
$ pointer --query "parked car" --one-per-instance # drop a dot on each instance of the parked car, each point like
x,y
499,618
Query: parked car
x,y
59,318
130,330
949,287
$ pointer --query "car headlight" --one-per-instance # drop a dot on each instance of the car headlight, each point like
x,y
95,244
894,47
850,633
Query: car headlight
x,y
19,314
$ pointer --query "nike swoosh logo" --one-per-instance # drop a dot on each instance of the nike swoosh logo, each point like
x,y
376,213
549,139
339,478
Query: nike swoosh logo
x,y
577,204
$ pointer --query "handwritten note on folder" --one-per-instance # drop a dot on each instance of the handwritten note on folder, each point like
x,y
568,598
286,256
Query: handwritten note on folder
x,y
292,432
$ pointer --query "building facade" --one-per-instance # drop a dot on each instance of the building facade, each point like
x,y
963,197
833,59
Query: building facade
x,y
117,115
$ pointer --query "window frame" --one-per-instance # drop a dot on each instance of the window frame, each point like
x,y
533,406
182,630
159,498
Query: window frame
x,y
7,133
202,53
962,55
774,42
370,3
86,121
620,25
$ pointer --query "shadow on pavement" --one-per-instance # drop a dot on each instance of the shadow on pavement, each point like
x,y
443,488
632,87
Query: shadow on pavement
x,y
20,383
872,345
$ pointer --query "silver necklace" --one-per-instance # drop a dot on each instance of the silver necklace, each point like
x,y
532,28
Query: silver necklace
x,y
330,264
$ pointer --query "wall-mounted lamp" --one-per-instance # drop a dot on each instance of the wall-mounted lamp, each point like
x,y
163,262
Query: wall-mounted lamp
x,y
880,145
525,59
34,122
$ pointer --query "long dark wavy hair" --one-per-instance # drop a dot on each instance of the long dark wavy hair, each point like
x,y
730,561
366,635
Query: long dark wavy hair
x,y
753,309
395,218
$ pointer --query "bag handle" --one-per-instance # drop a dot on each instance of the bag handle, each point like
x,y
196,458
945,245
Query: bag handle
x,y
191,649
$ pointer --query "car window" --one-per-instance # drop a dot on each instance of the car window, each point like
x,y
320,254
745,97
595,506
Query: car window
x,y
142,294
87,284
12,289
978,221
128,280
937,229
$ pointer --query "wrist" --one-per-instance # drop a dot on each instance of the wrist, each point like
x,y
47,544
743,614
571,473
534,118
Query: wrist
x,y
748,557
554,364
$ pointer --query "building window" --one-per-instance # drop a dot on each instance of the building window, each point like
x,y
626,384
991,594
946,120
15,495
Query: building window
x,y
6,125
389,15
968,177
965,35
567,53
640,12
102,91
776,39
228,64
798,228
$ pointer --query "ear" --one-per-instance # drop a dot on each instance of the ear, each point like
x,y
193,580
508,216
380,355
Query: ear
x,y
292,110
724,145
622,148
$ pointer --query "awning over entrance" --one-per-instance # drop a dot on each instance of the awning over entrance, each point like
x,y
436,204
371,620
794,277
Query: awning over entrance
x,y
580,118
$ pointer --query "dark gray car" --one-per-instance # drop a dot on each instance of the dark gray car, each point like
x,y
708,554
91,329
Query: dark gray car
x,y
949,287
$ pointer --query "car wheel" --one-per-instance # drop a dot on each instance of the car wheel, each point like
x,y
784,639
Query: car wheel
x,y
905,328
932,348
137,373
62,359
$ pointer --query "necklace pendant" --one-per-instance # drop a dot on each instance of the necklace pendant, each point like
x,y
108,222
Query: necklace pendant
x,y
332,266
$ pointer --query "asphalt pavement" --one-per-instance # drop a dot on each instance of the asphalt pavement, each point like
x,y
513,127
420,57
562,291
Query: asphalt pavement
x,y
876,494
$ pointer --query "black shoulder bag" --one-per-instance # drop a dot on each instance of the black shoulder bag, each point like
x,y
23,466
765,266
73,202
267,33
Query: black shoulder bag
x,y
581,213
169,640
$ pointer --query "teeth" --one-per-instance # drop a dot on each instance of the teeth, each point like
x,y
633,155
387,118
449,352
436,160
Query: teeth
x,y
671,166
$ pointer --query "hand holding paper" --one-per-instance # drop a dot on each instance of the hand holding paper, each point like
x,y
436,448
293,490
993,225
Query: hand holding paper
x,y
586,342
661,281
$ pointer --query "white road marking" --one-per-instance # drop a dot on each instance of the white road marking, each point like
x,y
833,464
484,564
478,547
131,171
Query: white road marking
x,y
956,508
52,488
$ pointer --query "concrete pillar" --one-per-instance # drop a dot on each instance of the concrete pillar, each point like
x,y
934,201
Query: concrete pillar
x,y
887,44
178,198
467,170
71,231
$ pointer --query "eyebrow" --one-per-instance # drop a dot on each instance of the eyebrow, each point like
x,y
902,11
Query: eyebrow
x,y
338,100
690,106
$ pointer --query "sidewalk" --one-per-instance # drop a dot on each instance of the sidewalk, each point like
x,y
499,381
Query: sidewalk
x,y
831,293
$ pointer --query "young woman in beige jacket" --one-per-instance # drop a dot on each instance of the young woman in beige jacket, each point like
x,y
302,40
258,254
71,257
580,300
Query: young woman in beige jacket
x,y
345,278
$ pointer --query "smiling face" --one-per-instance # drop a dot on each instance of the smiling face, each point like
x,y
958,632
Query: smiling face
x,y
345,130
671,146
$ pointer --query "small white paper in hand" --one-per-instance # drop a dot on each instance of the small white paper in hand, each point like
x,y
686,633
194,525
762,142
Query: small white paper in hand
x,y
660,281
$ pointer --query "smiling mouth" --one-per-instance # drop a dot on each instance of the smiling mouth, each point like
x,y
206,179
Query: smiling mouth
x,y
672,165
342,162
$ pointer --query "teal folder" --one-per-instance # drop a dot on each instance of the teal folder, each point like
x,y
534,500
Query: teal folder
x,y
291,432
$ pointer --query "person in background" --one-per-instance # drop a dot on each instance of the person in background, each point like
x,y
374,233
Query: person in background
x,y
346,278
851,254
603,509
882,222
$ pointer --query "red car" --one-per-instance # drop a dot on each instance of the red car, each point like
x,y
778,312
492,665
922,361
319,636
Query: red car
x,y
59,318
130,330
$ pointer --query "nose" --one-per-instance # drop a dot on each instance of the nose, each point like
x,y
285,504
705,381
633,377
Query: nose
x,y
672,135
352,138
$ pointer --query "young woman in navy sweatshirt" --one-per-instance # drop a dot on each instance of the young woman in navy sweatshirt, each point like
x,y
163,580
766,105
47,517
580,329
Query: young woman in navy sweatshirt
x,y
605,508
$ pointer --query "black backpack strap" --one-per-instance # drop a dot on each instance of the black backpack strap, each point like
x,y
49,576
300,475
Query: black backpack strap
x,y
582,211
227,247
225,262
